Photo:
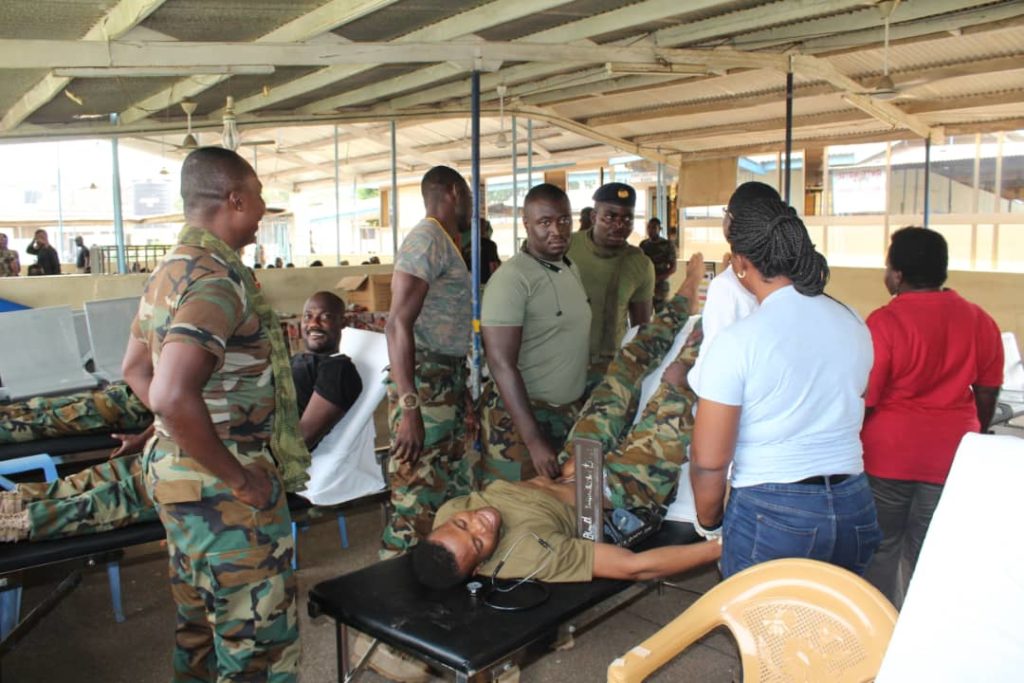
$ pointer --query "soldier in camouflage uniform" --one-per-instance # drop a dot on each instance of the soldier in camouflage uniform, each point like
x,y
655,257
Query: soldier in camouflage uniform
x,y
535,319
206,354
663,255
641,463
428,331
114,407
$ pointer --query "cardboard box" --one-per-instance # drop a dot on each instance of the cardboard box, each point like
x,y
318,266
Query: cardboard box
x,y
372,292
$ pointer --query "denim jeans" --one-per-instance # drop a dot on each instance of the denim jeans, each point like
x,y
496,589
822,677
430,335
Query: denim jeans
x,y
905,510
832,523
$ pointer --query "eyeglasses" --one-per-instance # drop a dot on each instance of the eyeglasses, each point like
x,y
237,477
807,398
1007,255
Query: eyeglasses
x,y
550,553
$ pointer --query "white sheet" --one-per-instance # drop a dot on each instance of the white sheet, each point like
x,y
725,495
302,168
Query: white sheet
x,y
682,508
961,618
344,466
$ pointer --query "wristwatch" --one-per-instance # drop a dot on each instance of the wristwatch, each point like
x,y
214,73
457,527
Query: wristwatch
x,y
409,401
713,534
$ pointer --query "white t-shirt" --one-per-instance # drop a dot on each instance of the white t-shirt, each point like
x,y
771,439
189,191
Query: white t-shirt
x,y
727,301
799,367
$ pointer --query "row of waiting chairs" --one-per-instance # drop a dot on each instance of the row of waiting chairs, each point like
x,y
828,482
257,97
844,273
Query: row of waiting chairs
x,y
47,349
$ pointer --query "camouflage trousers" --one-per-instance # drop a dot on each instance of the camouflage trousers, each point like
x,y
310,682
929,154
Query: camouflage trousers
x,y
661,293
115,407
106,496
642,461
504,455
442,471
230,568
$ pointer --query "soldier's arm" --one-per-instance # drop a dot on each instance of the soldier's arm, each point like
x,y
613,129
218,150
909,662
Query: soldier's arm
x,y
407,295
176,396
503,343
137,368
613,562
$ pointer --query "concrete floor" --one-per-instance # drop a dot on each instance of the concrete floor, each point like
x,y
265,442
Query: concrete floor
x,y
80,642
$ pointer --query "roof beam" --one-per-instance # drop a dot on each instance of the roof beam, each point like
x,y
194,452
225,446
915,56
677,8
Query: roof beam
x,y
907,77
541,114
883,111
119,55
325,18
830,118
122,18
463,24
857,29
695,32
572,32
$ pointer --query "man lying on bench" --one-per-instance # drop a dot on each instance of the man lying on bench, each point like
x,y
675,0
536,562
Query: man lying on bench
x,y
528,529
113,494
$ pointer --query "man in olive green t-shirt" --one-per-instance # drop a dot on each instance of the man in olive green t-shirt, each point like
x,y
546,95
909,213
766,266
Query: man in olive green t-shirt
x,y
536,324
618,277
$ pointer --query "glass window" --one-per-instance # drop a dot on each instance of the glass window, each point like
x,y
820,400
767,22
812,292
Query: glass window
x,y
856,179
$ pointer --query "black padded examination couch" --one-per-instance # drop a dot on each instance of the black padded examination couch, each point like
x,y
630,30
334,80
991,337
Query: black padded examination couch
x,y
455,631
64,445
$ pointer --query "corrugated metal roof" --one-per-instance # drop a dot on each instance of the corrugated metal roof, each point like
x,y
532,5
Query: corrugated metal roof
x,y
953,64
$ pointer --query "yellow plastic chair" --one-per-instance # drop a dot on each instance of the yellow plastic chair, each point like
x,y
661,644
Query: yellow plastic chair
x,y
793,620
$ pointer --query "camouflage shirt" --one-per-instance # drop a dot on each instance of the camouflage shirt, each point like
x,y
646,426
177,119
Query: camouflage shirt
x,y
194,297
444,324
8,257
661,252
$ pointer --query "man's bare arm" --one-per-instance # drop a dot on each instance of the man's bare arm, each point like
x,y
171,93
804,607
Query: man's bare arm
x,y
176,396
713,447
318,418
137,368
640,312
613,562
985,402
407,295
503,344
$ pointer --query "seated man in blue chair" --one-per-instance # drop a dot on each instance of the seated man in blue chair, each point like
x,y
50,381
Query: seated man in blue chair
x,y
112,494
527,530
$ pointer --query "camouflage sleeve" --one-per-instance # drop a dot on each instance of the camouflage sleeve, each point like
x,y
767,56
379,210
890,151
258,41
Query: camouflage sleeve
x,y
136,330
422,254
207,315
645,281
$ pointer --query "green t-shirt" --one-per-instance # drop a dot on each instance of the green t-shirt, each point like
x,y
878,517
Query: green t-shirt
x,y
613,279
547,300
526,511
445,322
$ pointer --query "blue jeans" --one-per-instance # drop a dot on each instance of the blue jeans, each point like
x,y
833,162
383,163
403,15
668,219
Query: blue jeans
x,y
832,523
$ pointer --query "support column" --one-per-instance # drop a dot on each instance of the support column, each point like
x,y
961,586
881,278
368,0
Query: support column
x,y
394,190
789,133
515,187
927,179
475,234
529,154
122,266
337,200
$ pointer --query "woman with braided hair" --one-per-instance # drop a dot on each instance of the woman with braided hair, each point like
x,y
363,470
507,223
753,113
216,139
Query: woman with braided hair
x,y
781,401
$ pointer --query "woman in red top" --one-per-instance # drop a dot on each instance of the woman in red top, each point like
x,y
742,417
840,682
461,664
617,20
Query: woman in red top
x,y
937,370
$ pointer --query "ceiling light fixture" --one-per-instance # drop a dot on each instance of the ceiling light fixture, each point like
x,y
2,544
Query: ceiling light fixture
x,y
229,137
189,107
501,142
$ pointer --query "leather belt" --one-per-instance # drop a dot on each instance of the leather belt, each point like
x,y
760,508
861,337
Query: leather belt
x,y
821,480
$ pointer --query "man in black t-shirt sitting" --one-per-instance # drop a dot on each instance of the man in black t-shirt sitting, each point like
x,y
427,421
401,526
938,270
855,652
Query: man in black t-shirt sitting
x,y
326,385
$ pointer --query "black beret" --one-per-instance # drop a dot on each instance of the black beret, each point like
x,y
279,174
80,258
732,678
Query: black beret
x,y
616,193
